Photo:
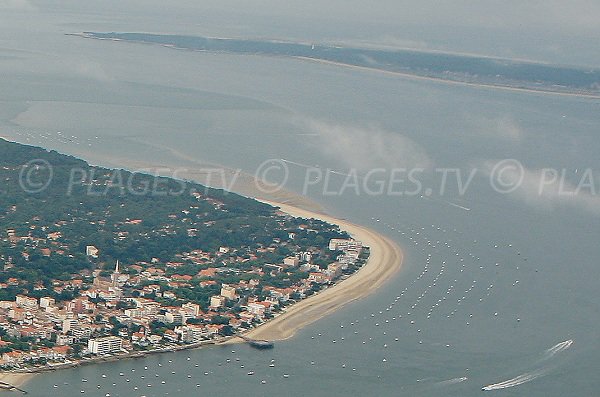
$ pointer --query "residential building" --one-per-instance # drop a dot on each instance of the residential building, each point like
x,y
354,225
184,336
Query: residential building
x,y
106,345
92,251
228,292
217,301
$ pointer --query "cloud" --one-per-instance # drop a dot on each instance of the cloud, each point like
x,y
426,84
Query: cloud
x,y
504,128
550,189
367,148
386,41
23,5
91,70
401,42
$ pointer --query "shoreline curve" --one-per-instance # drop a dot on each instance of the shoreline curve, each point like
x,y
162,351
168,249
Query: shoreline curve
x,y
385,261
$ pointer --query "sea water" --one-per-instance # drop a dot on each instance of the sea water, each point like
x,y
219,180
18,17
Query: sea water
x,y
491,284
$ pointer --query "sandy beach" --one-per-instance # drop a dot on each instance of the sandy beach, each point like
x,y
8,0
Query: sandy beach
x,y
385,260
413,76
14,379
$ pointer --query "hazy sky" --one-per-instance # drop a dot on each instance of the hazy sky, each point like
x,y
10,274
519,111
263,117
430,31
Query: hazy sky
x,y
549,30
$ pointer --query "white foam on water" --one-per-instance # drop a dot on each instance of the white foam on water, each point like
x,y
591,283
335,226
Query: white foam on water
x,y
559,347
458,206
529,376
453,381
516,381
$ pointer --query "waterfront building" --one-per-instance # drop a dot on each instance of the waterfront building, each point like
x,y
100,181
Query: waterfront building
x,y
109,344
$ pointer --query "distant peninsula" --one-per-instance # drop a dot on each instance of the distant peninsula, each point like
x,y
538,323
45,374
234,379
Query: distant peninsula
x,y
98,264
446,67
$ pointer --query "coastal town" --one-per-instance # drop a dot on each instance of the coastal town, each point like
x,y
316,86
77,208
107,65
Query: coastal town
x,y
125,312
96,265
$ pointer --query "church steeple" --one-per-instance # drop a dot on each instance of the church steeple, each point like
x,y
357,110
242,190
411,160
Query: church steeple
x,y
115,275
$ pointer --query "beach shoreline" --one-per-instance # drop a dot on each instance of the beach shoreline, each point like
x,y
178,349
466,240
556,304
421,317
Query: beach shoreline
x,y
384,261
14,379
417,77
407,75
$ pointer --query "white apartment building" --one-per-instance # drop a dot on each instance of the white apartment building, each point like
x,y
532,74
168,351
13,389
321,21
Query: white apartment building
x,y
108,344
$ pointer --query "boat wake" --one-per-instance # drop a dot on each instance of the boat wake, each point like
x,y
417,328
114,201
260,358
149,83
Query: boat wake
x,y
453,381
529,376
299,164
327,170
559,347
458,206
516,381
450,203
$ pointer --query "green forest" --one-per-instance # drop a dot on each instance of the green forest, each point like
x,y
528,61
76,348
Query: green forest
x,y
53,206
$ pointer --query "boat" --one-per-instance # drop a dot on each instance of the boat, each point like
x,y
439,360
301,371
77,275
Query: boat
x,y
251,373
